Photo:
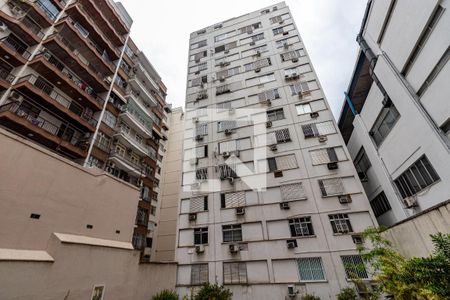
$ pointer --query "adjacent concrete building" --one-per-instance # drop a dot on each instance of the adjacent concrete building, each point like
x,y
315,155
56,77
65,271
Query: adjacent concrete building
x,y
271,204
396,118
73,81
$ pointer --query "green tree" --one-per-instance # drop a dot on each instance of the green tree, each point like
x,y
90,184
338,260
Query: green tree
x,y
213,292
347,294
165,295
310,297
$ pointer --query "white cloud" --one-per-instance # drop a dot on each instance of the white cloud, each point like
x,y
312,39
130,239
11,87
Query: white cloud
x,y
328,27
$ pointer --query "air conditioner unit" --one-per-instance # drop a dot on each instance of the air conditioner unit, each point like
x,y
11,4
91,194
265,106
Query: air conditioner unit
x,y
332,166
192,217
357,239
410,201
252,44
294,60
323,138
228,131
257,70
240,211
344,199
292,292
3,26
222,78
199,249
193,161
273,147
226,154
269,124
195,120
314,115
284,205
291,244
199,138
234,248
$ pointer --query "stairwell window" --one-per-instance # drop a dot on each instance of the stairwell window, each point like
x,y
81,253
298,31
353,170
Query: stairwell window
x,y
201,236
384,123
340,223
310,269
416,178
199,274
232,233
301,227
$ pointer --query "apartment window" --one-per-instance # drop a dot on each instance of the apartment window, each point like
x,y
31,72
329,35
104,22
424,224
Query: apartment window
x,y
120,150
380,204
265,62
384,123
340,223
434,73
235,273
416,178
201,129
141,217
227,172
275,115
249,29
257,37
446,128
260,79
232,233
310,269
199,274
323,156
223,89
199,44
198,204
223,36
200,152
234,145
224,125
201,236
362,164
354,267
331,187
201,174
303,109
231,200
196,57
317,129
291,192
277,31
199,81
268,95
299,88
227,73
281,163
301,227
198,68
290,55
109,119
423,39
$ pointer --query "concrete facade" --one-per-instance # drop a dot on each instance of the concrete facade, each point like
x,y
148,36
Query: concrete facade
x,y
410,74
230,232
66,229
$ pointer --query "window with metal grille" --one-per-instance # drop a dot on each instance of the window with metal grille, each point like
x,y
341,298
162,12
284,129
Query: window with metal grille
x,y
294,191
232,233
282,135
201,174
301,227
199,274
354,266
281,163
292,54
201,236
227,171
198,204
201,129
323,156
299,88
380,204
268,95
331,187
316,129
362,163
276,114
416,178
384,123
235,273
230,200
310,268
224,125
340,223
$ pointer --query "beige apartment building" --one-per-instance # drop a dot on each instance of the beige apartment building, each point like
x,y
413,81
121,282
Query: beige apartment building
x,y
271,204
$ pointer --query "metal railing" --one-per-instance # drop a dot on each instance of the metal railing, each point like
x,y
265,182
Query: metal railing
x,y
127,158
11,43
83,112
102,143
142,146
6,75
136,117
46,10
33,26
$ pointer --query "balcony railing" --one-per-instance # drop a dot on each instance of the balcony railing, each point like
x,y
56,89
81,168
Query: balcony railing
x,y
127,158
83,112
103,144
51,12
28,112
141,145
6,75
138,118
14,45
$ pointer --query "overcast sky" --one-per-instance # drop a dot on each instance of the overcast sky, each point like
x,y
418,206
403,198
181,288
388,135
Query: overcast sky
x,y
328,27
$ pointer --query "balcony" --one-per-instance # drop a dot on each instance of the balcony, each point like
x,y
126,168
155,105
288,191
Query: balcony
x,y
43,13
125,162
79,37
109,13
37,88
22,25
81,16
32,121
138,89
130,141
49,66
68,52
5,78
14,51
135,120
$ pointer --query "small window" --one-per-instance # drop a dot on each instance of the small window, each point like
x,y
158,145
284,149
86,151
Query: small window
x,y
232,233
380,204
354,267
199,274
362,164
201,236
384,123
301,227
310,269
340,223
235,273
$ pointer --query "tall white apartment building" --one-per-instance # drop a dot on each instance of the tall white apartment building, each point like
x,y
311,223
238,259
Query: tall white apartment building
x,y
396,120
268,226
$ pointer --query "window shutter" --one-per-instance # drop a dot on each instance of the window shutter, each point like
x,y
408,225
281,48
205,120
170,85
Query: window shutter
x,y
272,164
204,273
293,191
235,199
286,162
242,144
242,272
331,187
325,128
197,204
320,156
227,146
322,188
227,273
332,155
308,130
